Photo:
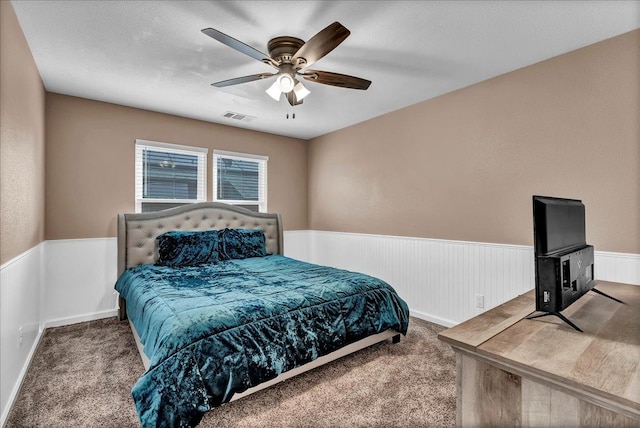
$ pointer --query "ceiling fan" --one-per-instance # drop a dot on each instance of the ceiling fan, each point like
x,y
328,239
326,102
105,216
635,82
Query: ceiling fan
x,y
290,56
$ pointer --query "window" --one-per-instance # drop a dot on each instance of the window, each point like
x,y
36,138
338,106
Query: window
x,y
168,175
240,179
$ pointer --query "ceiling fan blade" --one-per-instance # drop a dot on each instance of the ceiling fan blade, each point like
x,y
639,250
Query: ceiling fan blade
x,y
320,44
293,100
336,79
244,79
239,46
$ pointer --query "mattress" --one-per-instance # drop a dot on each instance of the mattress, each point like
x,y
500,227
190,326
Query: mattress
x,y
215,330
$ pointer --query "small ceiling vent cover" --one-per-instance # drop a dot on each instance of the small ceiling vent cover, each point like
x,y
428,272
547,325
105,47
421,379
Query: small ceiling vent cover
x,y
238,116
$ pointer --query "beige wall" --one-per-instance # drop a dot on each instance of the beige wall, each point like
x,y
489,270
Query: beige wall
x,y
22,122
90,163
463,166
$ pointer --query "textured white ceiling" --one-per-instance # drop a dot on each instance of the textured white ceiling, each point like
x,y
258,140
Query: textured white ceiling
x,y
152,55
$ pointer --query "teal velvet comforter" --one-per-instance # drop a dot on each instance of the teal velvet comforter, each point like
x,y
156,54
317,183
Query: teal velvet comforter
x,y
214,330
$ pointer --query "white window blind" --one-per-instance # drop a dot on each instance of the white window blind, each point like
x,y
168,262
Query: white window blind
x,y
169,175
240,179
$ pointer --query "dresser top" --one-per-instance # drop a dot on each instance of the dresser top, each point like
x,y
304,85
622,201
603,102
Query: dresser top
x,y
603,360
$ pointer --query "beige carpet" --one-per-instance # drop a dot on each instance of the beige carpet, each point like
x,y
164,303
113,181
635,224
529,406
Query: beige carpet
x,y
81,376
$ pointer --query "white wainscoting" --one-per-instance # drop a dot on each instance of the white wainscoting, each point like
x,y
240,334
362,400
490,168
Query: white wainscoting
x,y
21,300
79,276
439,279
617,267
296,245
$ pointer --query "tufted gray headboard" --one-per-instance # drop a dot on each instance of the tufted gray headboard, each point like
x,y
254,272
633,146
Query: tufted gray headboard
x,y
137,232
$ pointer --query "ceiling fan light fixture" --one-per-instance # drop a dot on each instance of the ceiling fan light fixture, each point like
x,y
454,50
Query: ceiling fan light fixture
x,y
274,91
300,91
285,82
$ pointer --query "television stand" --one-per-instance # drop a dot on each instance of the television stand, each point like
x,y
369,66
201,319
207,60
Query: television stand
x,y
567,320
519,373
559,315
606,295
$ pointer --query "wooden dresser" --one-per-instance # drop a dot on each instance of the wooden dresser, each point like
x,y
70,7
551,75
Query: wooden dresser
x,y
518,372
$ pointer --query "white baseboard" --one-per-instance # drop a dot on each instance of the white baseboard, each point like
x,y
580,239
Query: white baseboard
x,y
81,318
25,368
436,320
23,372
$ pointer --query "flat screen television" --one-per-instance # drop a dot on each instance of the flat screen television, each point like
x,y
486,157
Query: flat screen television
x,y
563,260
558,224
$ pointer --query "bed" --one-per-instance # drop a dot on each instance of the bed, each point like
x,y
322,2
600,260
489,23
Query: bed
x,y
210,333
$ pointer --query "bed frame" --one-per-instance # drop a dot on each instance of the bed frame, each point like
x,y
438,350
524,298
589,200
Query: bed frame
x,y
137,232
136,246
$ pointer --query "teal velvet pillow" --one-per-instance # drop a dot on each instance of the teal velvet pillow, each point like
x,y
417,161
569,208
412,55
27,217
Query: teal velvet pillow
x,y
242,243
181,248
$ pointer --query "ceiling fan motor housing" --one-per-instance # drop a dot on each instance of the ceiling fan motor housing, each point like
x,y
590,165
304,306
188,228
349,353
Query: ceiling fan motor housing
x,y
283,48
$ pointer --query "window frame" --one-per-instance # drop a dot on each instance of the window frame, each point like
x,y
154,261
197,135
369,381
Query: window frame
x,y
200,152
262,177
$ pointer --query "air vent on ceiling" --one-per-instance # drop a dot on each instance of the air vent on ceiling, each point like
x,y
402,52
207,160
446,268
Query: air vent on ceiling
x,y
238,116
